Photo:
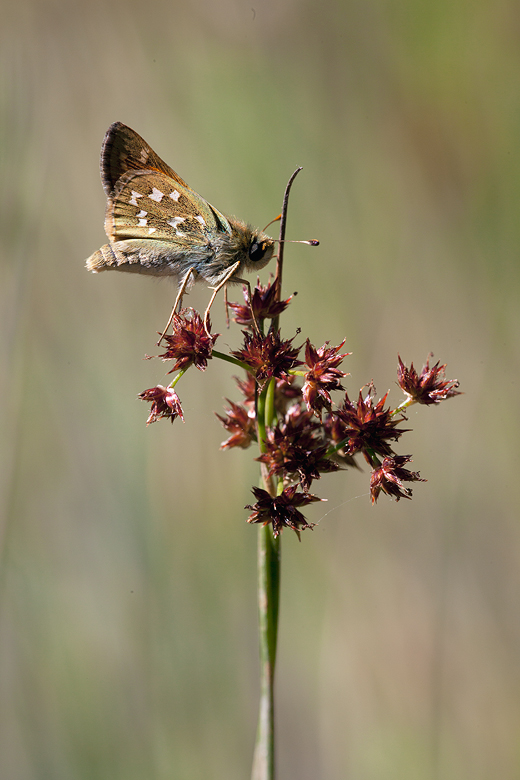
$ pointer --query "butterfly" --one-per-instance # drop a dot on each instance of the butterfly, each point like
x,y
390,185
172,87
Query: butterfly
x,y
157,225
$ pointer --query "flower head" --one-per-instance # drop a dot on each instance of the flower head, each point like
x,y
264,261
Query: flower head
x,y
322,377
189,341
240,422
281,511
269,356
165,403
389,478
295,446
263,303
367,426
428,387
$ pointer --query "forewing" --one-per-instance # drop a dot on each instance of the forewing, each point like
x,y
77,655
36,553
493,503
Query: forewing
x,y
124,150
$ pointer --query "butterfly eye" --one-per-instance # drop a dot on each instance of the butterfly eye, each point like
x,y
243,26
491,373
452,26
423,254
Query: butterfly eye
x,y
256,251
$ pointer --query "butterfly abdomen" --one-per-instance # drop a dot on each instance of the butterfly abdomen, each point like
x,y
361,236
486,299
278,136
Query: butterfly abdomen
x,y
152,258
102,259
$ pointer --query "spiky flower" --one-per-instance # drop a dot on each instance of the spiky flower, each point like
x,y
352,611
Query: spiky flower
x,y
296,446
322,377
189,342
241,424
281,511
165,403
389,478
428,387
263,303
367,427
269,356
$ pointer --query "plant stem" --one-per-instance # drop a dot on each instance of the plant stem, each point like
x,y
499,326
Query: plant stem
x,y
268,602
269,560
231,359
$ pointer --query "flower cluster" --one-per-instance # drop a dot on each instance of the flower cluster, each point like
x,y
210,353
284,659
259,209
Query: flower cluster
x,y
428,387
263,305
281,511
189,342
301,431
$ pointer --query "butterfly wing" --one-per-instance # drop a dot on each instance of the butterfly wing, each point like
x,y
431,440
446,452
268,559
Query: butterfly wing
x,y
124,150
147,199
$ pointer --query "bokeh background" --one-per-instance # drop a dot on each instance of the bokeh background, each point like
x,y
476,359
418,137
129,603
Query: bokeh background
x,y
128,644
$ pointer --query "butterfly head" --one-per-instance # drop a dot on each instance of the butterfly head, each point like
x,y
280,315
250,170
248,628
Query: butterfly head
x,y
260,251
249,246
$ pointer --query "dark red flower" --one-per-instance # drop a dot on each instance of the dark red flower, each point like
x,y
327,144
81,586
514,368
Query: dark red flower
x,y
269,356
389,478
333,430
240,422
428,387
323,376
247,387
264,305
296,446
165,403
281,511
189,342
367,427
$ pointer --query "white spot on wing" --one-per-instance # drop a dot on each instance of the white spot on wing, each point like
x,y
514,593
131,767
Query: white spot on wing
x,y
152,230
175,221
143,222
200,219
133,199
174,195
144,155
156,195
142,213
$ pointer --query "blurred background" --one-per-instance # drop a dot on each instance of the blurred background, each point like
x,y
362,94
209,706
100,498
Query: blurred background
x,y
128,639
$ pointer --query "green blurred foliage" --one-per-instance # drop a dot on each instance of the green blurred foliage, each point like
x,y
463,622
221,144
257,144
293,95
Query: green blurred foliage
x,y
127,603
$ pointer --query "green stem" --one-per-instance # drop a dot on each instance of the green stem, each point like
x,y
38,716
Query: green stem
x,y
230,359
269,403
268,603
177,377
405,404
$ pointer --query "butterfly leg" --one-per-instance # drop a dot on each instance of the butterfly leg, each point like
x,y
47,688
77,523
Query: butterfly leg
x,y
226,306
178,300
216,290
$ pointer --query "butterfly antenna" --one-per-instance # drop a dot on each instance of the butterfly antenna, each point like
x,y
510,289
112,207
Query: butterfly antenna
x,y
311,242
276,219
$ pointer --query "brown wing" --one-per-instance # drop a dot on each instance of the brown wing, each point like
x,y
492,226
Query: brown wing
x,y
124,150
